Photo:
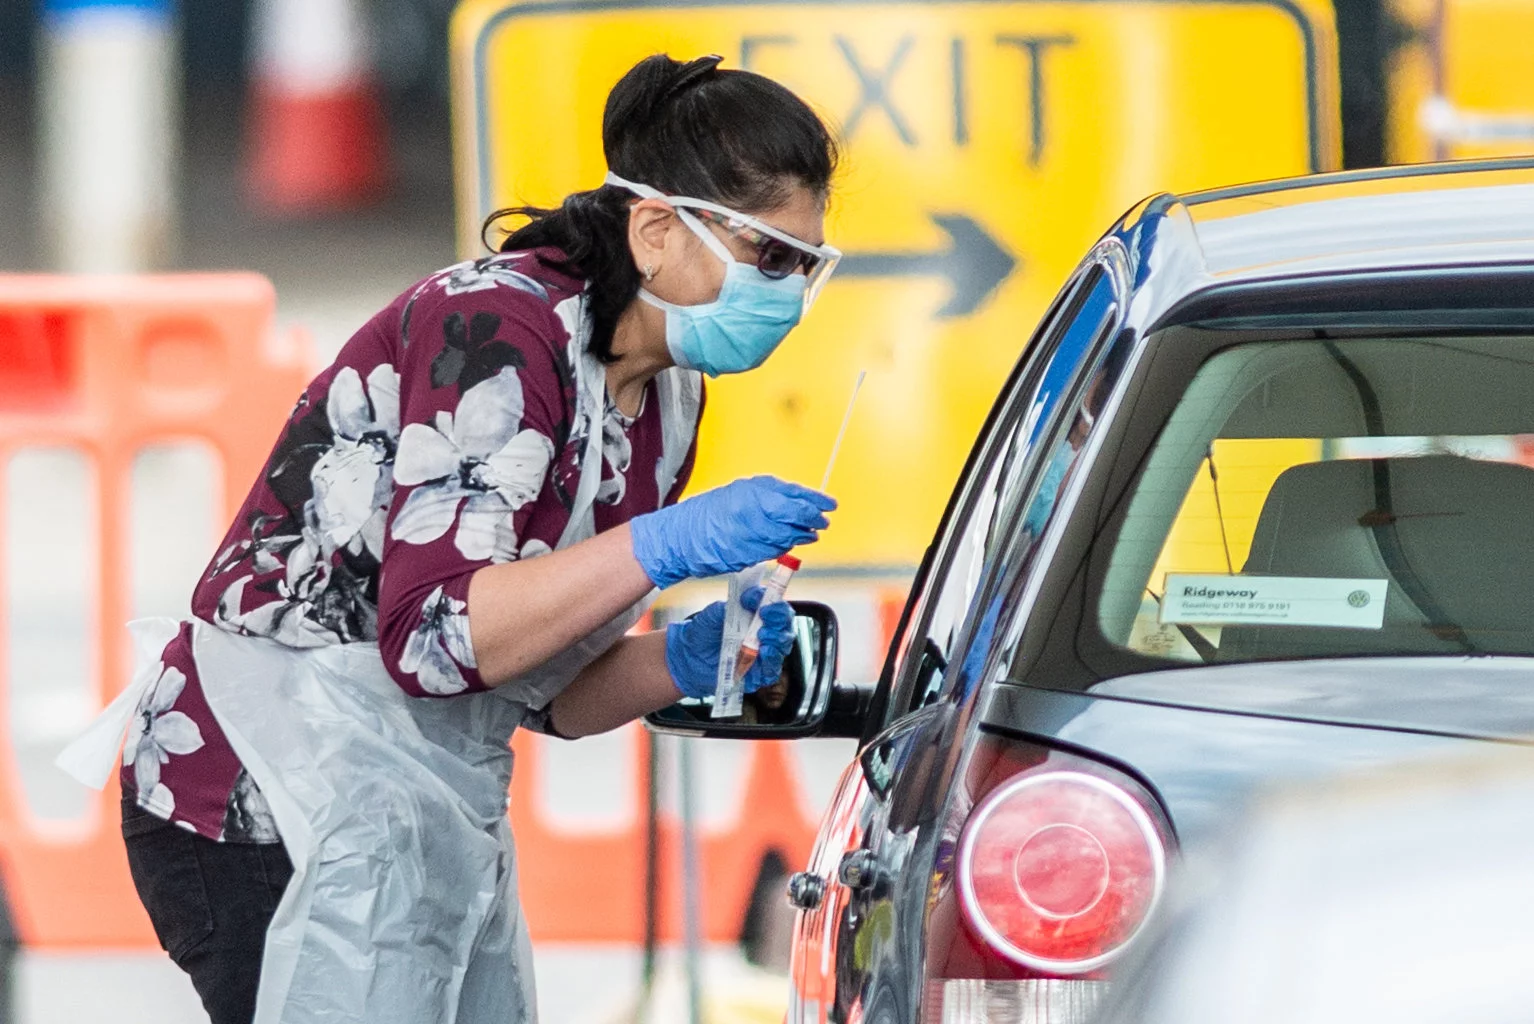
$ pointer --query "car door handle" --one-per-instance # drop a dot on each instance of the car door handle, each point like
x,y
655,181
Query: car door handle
x,y
806,890
857,869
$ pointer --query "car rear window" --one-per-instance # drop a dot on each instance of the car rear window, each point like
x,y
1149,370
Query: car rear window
x,y
1334,498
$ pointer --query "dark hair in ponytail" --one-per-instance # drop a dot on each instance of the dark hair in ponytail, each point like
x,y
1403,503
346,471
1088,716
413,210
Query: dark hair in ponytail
x,y
731,137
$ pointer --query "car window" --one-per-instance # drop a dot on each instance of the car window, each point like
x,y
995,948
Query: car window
x,y
999,483
1324,498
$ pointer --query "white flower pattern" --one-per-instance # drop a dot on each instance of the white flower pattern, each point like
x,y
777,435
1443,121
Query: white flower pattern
x,y
320,601
351,480
492,272
439,646
158,732
290,619
617,454
488,401
266,548
477,459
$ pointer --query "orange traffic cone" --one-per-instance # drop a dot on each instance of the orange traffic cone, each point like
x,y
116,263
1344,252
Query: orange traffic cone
x,y
317,132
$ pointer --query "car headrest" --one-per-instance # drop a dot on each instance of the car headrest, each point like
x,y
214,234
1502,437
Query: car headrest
x,y
1453,537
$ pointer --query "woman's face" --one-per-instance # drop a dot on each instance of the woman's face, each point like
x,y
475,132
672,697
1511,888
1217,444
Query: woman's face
x,y
687,273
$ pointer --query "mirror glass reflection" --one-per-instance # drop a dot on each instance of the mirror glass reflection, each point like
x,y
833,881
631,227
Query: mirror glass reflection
x,y
798,700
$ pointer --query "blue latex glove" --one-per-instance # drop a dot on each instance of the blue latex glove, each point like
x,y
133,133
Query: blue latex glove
x,y
727,529
692,646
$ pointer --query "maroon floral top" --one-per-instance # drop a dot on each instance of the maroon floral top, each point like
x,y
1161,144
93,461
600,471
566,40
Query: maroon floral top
x,y
446,436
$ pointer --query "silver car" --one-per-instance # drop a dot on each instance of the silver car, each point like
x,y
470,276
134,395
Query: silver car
x,y
1254,507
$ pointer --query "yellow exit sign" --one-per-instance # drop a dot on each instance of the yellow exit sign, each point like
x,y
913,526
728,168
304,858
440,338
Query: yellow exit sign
x,y
1461,84
986,145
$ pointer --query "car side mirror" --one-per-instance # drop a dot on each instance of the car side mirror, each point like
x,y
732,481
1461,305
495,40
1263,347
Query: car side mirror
x,y
807,701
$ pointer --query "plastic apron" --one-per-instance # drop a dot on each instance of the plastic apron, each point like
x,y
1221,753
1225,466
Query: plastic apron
x,y
403,903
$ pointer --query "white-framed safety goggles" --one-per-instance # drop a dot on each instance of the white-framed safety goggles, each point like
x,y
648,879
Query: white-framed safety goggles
x,y
778,254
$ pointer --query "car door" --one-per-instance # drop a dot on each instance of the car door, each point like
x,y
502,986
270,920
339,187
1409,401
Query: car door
x,y
857,939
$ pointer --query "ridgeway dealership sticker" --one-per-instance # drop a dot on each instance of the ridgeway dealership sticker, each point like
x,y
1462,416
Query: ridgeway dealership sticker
x,y
1273,600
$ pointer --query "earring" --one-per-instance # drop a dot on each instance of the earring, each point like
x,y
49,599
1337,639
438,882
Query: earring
x,y
649,271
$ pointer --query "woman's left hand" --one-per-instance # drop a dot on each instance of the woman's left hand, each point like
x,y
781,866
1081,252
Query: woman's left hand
x,y
692,646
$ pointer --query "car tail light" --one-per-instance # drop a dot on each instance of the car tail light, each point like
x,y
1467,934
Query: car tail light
x,y
1050,863
1059,870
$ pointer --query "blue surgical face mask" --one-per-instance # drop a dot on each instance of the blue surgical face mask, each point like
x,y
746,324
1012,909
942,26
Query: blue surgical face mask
x,y
738,330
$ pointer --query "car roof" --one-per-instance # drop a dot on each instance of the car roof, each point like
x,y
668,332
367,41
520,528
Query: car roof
x,y
1450,215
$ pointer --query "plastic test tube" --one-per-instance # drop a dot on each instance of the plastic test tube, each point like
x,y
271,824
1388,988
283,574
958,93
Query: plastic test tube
x,y
773,587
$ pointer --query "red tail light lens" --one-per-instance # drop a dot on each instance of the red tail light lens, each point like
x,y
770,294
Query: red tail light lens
x,y
1059,870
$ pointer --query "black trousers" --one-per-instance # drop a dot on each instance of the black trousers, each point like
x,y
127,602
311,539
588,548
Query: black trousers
x,y
210,904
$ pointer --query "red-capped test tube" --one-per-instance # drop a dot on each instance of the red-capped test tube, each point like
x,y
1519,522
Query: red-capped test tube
x,y
773,587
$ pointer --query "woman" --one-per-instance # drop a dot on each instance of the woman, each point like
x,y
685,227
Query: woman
x,y
472,503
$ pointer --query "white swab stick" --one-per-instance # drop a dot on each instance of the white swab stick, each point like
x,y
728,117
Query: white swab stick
x,y
836,448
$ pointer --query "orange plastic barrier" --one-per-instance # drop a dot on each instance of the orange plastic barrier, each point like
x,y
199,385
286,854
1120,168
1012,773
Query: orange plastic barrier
x,y
590,888
111,366
108,366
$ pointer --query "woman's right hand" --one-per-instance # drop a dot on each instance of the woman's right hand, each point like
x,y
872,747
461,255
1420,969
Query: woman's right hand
x,y
693,646
727,529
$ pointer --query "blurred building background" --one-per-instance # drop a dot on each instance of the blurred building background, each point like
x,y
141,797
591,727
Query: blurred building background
x,y
333,263
336,263
221,223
